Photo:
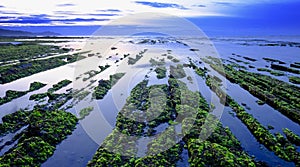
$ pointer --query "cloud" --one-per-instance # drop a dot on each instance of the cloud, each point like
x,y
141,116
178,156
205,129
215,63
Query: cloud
x,y
1,6
45,20
161,5
40,15
6,17
109,10
73,13
11,13
103,14
79,20
106,10
200,6
64,12
224,3
66,4
31,20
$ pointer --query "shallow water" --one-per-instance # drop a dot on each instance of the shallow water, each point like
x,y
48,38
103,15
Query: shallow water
x,y
265,114
289,55
7,138
241,132
75,151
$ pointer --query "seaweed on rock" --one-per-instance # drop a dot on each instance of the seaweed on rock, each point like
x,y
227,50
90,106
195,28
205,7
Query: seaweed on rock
x,y
85,112
292,137
13,72
177,72
132,61
38,141
284,68
50,91
161,72
278,94
295,80
12,94
105,85
278,144
184,101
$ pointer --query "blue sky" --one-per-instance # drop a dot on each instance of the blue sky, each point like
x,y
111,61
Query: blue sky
x,y
210,15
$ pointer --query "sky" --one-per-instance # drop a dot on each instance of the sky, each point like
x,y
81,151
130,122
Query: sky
x,y
217,16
